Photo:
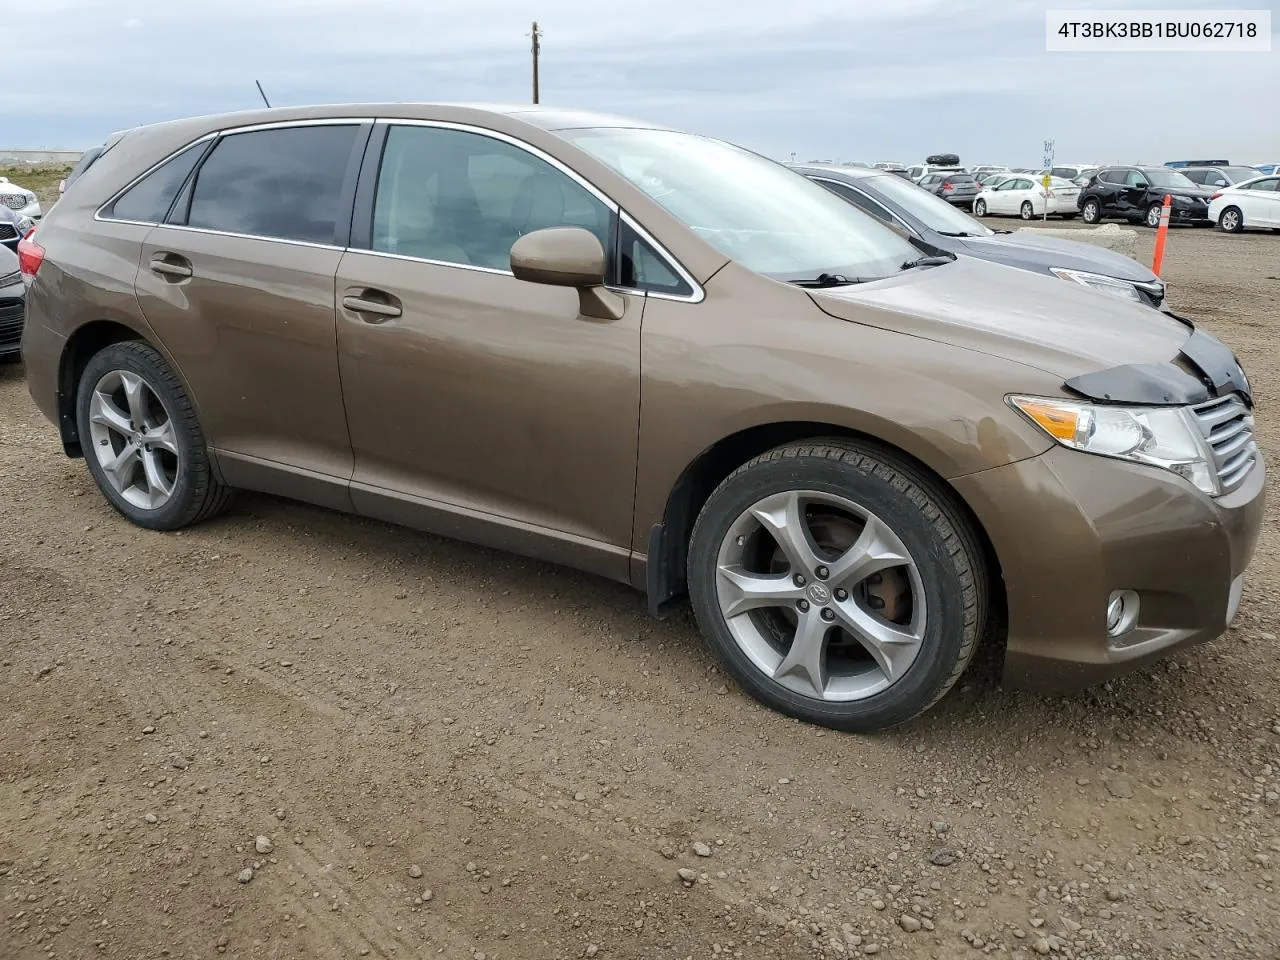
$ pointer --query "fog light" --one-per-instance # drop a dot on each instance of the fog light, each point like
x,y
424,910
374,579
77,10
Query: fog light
x,y
1122,612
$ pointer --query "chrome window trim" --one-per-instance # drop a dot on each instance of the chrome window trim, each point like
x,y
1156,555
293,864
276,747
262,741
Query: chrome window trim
x,y
435,263
245,236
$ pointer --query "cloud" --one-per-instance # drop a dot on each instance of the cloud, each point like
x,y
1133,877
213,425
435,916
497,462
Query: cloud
x,y
823,78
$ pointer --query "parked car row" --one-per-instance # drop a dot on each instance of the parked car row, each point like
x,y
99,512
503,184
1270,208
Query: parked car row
x,y
847,444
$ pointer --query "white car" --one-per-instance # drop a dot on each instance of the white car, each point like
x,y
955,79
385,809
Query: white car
x,y
1025,197
19,199
1253,203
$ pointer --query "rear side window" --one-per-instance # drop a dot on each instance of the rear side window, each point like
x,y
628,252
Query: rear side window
x,y
1272,185
1111,176
284,183
149,200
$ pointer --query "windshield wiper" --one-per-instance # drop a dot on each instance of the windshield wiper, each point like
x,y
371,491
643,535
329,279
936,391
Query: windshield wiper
x,y
828,280
928,261
956,233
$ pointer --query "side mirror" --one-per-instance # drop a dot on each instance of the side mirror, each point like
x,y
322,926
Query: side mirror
x,y
568,257
1140,185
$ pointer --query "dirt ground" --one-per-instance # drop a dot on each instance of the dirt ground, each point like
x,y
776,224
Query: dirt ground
x,y
448,751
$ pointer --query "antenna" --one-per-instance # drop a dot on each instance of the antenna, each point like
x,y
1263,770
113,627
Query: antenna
x,y
537,49
263,95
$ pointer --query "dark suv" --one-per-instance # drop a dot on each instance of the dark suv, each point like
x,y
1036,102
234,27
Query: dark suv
x,y
959,188
1136,194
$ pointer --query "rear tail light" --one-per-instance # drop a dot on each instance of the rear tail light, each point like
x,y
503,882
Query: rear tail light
x,y
30,255
1216,195
948,186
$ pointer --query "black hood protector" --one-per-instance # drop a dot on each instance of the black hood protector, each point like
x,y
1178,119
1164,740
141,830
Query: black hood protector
x,y
1209,369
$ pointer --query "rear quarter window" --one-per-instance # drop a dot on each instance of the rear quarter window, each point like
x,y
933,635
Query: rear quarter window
x,y
149,200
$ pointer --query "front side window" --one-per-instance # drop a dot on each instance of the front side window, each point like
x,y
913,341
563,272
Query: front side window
x,y
149,200
465,198
1136,178
283,183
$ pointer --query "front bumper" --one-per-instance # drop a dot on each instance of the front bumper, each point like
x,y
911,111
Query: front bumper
x,y
1189,213
1069,528
962,200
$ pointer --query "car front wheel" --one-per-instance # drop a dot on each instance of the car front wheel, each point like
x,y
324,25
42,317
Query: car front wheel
x,y
1091,212
838,584
1153,215
142,440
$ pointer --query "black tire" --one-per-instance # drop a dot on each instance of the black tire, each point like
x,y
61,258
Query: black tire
x,y
979,208
197,494
1091,212
1231,220
922,514
1153,213
1027,211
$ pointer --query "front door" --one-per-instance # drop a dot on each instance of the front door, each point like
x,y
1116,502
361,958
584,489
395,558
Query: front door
x,y
478,404
239,288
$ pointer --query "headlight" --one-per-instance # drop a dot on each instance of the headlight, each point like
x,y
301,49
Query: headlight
x,y
1096,281
1166,437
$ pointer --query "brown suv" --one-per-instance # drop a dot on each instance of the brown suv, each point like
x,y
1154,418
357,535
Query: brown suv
x,y
659,358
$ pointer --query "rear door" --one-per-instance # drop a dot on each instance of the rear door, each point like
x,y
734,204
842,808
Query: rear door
x,y
238,284
1107,188
1262,206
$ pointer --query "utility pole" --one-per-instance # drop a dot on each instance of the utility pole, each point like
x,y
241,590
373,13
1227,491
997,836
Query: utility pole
x,y
537,46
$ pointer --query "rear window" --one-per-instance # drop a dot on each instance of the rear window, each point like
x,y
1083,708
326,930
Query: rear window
x,y
283,183
149,200
960,178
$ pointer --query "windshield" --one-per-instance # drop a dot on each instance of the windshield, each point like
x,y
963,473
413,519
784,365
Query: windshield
x,y
769,219
1168,178
934,212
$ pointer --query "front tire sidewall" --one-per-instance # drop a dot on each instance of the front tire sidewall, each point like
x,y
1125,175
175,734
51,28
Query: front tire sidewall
x,y
146,363
1152,219
945,629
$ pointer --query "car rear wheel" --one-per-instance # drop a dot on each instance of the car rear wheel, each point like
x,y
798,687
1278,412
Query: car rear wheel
x,y
1091,212
142,440
1231,220
1027,211
838,584
979,208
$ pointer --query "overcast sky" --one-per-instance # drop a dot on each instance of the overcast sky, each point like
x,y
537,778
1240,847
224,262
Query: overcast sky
x,y
825,79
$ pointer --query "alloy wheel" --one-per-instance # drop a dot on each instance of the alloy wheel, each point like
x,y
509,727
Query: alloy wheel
x,y
1091,211
821,595
133,439
979,208
1153,216
1230,221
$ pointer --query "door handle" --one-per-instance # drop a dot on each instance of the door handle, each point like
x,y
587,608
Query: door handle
x,y
377,306
171,266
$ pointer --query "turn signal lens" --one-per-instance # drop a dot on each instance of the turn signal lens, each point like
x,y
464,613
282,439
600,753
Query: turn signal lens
x,y
1060,422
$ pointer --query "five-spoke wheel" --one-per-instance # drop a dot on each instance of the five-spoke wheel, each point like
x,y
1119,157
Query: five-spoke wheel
x,y
839,583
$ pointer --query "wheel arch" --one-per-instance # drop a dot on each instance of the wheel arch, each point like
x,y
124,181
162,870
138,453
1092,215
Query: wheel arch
x,y
84,342
666,570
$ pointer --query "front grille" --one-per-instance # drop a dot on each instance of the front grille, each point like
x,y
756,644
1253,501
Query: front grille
x,y
14,201
8,231
11,313
1228,426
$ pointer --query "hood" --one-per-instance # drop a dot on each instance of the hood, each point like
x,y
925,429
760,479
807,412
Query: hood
x,y
1028,248
1061,328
